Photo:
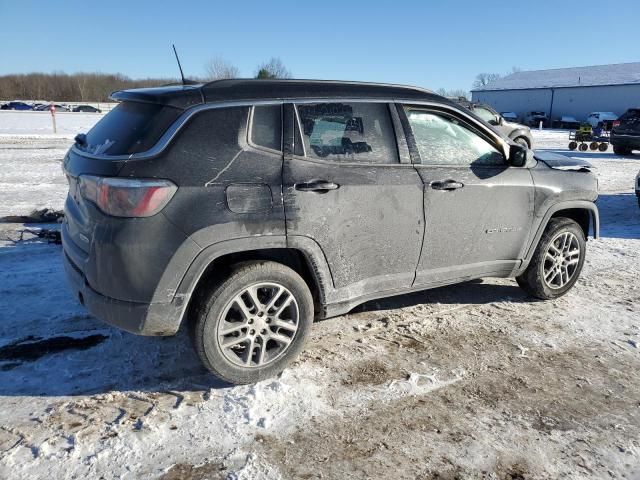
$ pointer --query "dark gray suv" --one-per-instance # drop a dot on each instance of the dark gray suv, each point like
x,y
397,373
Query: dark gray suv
x,y
247,208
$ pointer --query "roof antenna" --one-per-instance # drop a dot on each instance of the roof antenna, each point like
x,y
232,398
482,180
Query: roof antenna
x,y
179,66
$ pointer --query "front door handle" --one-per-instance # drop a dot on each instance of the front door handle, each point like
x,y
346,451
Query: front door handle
x,y
446,185
319,186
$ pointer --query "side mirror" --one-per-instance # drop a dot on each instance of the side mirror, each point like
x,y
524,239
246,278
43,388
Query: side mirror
x,y
500,120
517,155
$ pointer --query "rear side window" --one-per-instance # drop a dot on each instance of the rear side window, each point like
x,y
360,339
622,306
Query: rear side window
x,y
131,127
348,132
266,126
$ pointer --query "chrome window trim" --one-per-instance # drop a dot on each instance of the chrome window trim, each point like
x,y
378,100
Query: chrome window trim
x,y
180,122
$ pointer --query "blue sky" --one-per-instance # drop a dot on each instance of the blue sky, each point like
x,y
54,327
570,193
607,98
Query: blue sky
x,y
426,43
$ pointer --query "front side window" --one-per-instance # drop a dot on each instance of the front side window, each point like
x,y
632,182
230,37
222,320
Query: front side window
x,y
266,126
443,140
348,132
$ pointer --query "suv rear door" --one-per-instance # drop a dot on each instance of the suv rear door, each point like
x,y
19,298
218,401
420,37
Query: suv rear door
x,y
353,191
478,210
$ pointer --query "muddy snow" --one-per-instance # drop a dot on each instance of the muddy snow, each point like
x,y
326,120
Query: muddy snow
x,y
470,381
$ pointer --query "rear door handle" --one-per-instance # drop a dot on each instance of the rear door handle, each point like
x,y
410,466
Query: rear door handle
x,y
446,185
319,186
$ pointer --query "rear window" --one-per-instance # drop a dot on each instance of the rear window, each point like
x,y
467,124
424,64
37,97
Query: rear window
x,y
631,114
131,127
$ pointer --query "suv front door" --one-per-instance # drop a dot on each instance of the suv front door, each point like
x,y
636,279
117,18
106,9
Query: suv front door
x,y
478,210
354,192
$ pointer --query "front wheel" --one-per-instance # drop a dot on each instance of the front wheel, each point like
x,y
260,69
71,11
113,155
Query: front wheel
x,y
250,326
557,261
522,141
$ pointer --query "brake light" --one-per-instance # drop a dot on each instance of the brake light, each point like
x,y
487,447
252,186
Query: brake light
x,y
616,123
127,197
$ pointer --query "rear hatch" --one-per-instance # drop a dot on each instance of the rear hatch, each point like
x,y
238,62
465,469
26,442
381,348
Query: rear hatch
x,y
628,123
131,128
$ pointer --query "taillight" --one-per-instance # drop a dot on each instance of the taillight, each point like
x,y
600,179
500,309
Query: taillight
x,y
127,197
616,123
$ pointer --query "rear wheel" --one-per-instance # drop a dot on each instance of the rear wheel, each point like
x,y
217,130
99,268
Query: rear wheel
x,y
621,150
557,262
250,326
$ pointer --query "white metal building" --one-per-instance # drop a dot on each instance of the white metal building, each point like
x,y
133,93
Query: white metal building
x,y
565,91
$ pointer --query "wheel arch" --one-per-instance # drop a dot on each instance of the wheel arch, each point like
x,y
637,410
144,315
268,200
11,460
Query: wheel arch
x,y
583,212
520,133
216,260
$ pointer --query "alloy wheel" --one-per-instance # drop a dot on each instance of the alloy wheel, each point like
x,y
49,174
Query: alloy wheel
x,y
258,325
561,260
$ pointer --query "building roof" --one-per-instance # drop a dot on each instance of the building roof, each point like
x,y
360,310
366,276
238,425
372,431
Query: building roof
x,y
184,96
616,74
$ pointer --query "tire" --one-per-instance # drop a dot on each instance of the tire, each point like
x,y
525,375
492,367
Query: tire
x,y
532,280
280,336
573,145
621,150
603,147
593,146
583,147
522,141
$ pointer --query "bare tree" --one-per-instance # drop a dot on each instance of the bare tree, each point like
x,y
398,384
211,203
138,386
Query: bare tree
x,y
274,68
218,68
483,79
455,93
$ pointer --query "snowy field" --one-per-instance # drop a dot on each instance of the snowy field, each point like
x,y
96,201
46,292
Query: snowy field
x,y
469,381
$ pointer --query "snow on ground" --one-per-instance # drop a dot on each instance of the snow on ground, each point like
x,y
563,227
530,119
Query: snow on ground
x,y
469,381
38,124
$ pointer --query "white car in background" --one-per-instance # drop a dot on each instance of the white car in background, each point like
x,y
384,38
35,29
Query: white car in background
x,y
606,118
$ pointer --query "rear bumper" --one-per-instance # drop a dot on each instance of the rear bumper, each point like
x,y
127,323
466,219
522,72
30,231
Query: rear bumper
x,y
155,319
625,141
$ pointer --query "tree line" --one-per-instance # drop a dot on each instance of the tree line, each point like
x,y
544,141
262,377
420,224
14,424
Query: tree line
x,y
96,87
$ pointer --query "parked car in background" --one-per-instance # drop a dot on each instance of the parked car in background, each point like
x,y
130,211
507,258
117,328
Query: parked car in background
x,y
566,121
47,106
17,106
518,133
625,133
605,118
242,209
533,119
86,109
510,116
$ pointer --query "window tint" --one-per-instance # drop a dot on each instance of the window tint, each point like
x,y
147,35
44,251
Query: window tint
x,y
442,140
350,132
266,127
131,127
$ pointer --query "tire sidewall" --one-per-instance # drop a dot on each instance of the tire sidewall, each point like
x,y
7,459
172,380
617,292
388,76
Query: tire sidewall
x,y
206,333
